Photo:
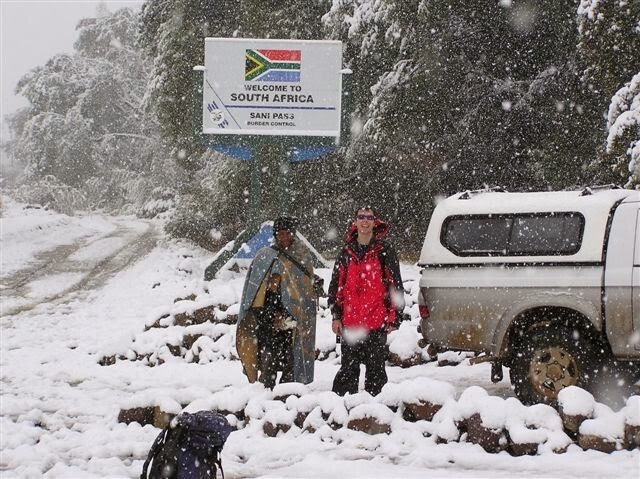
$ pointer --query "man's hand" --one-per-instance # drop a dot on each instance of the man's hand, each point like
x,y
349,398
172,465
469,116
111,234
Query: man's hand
x,y
283,321
336,327
388,327
318,285
278,322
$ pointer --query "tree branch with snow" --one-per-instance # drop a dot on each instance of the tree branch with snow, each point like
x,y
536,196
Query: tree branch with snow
x,y
623,127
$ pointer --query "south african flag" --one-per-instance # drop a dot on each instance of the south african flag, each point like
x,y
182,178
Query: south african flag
x,y
272,65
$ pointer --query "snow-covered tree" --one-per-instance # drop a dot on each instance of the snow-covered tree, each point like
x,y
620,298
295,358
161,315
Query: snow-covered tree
x,y
371,39
456,95
623,126
87,115
174,33
609,42
298,19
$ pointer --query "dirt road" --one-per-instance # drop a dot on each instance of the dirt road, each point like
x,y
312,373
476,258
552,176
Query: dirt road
x,y
70,271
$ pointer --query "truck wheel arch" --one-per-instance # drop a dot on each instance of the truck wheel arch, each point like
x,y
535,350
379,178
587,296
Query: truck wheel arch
x,y
528,320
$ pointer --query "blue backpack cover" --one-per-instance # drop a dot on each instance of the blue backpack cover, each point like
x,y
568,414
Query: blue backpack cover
x,y
188,448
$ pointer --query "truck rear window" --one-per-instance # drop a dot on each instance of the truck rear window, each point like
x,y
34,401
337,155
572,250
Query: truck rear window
x,y
530,234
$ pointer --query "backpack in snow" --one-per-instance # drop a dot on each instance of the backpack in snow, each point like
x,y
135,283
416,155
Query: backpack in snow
x,y
189,447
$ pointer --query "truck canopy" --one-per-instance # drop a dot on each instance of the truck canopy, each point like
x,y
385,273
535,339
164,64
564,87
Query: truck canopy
x,y
592,205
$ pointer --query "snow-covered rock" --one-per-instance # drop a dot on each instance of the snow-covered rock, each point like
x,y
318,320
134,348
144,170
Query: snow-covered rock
x,y
575,406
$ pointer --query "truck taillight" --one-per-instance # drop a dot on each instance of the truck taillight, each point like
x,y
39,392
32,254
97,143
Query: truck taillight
x,y
424,311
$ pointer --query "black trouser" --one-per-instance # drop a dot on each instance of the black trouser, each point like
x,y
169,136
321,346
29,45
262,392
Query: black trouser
x,y
372,352
276,354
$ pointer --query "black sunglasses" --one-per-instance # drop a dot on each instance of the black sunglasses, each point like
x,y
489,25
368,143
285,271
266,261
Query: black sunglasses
x,y
366,217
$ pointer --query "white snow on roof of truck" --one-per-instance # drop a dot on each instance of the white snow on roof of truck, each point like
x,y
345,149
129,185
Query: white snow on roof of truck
x,y
593,203
540,201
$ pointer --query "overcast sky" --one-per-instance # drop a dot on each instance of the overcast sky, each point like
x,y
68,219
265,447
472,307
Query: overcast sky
x,y
32,31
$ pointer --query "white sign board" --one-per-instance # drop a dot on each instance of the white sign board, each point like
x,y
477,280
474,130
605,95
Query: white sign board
x,y
272,87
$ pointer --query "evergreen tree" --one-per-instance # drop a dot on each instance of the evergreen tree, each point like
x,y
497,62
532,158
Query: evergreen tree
x,y
174,33
609,43
467,94
294,19
623,139
371,41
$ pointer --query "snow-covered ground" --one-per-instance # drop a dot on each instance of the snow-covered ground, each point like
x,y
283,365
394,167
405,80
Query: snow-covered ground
x,y
59,406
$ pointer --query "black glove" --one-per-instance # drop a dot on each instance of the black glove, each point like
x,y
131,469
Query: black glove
x,y
391,326
400,317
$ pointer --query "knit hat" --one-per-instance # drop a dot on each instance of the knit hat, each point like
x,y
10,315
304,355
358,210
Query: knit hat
x,y
288,223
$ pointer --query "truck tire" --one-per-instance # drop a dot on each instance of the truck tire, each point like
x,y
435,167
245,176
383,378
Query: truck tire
x,y
549,359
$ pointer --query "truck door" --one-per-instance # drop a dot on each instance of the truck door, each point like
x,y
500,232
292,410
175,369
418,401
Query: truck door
x,y
622,282
636,285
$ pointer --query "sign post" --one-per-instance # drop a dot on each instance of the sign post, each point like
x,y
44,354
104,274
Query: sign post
x,y
254,95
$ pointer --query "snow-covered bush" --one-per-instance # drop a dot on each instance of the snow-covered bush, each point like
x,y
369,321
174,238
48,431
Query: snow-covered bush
x,y
50,192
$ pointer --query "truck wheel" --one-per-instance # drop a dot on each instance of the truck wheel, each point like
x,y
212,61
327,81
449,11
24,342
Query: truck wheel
x,y
548,360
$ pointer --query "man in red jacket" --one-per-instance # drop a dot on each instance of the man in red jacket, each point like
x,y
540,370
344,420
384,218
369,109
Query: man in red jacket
x,y
366,298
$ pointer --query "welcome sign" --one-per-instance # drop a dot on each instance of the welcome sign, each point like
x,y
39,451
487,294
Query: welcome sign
x,y
272,87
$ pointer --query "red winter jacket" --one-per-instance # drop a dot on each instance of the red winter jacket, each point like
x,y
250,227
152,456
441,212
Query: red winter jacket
x,y
362,290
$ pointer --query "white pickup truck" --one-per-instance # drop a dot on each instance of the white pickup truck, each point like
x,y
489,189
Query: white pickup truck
x,y
546,283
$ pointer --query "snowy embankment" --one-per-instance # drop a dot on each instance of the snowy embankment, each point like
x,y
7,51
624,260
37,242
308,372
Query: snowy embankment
x,y
61,401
